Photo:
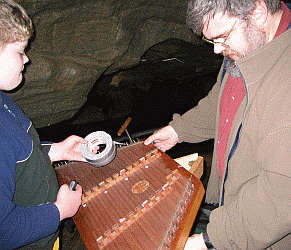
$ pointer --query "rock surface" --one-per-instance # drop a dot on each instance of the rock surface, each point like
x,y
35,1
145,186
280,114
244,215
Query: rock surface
x,y
78,41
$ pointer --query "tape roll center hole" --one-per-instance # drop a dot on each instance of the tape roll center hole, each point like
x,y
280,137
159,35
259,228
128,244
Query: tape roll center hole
x,y
96,146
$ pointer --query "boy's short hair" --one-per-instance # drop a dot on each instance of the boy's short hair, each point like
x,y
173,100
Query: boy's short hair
x,y
15,24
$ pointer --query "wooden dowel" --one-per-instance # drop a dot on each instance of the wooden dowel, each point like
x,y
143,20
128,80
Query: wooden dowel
x,y
124,126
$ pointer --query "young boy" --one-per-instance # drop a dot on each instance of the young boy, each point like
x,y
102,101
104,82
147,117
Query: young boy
x,y
31,203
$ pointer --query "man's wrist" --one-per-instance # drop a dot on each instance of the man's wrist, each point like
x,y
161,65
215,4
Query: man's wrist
x,y
207,241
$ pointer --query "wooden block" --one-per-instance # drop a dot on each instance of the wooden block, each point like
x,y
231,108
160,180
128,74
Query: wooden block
x,y
193,163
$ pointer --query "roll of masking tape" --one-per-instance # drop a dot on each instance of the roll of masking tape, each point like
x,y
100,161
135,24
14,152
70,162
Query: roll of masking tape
x,y
106,152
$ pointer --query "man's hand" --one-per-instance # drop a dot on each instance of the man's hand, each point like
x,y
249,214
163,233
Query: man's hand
x,y
195,242
68,201
69,149
164,138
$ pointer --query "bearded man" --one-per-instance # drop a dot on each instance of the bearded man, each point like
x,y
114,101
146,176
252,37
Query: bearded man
x,y
248,112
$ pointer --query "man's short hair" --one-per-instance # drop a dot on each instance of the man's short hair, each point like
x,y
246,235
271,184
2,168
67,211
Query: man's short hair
x,y
200,11
15,24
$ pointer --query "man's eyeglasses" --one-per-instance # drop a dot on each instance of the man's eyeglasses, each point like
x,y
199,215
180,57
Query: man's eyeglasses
x,y
218,42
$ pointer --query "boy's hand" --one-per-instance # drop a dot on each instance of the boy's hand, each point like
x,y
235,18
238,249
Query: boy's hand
x,y
68,201
69,149
164,139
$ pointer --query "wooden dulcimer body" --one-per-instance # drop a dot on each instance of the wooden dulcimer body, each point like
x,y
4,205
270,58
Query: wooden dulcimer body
x,y
141,200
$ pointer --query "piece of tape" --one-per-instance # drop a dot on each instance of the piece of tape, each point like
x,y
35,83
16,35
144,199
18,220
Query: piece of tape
x,y
106,152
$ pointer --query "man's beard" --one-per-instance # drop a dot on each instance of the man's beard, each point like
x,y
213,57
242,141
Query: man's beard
x,y
255,39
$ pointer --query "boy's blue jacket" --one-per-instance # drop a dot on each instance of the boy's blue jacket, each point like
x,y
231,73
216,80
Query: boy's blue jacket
x,y
28,184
